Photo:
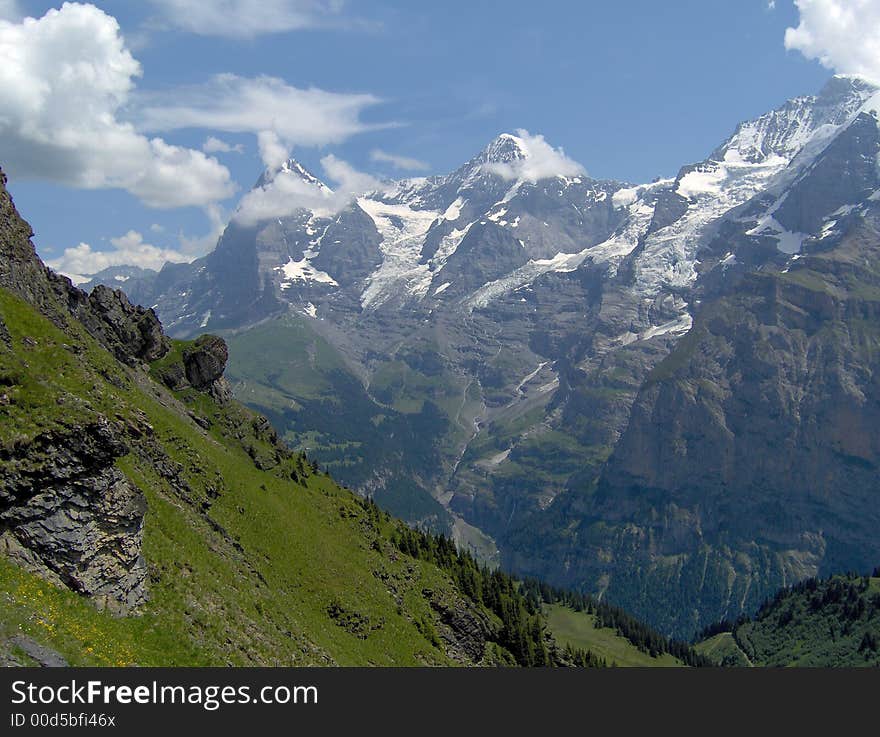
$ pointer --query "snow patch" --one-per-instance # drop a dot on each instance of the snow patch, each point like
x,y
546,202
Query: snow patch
x,y
529,377
827,229
679,326
499,458
303,271
448,245
523,276
786,241
496,216
453,212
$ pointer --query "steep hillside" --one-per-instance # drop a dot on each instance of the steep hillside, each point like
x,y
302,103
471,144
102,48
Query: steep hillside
x,y
817,623
147,518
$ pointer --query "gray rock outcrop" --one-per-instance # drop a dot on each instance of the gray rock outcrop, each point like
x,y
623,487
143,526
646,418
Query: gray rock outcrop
x,y
68,514
132,333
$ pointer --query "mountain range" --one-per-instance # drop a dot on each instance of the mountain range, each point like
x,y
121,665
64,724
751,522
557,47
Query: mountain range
x,y
660,394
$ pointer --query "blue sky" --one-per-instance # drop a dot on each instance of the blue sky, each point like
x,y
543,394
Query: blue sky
x,y
632,90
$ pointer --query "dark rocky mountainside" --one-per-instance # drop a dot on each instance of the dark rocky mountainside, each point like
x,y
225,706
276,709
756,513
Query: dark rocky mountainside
x,y
765,468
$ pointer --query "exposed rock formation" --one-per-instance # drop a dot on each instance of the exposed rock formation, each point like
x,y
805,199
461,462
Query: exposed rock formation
x,y
204,363
464,629
201,367
68,514
131,332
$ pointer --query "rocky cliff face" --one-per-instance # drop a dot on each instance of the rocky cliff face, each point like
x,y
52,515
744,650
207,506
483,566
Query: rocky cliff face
x,y
201,367
69,515
133,334
750,459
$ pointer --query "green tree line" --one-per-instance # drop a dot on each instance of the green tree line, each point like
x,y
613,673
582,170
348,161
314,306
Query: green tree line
x,y
523,631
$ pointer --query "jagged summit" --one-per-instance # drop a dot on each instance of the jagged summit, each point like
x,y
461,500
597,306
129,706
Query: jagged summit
x,y
783,132
841,86
292,168
505,148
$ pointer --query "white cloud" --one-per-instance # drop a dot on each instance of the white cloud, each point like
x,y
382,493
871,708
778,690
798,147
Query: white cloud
x,y
9,10
213,145
539,161
272,151
841,34
398,162
128,250
290,191
281,197
63,80
249,18
349,180
771,4
233,104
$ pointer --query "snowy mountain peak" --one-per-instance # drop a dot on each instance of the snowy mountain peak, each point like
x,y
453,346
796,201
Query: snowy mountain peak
x,y
841,88
504,149
293,168
788,129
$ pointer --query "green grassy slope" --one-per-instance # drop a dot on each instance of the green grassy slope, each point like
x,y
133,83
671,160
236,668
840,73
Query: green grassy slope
x,y
723,649
579,629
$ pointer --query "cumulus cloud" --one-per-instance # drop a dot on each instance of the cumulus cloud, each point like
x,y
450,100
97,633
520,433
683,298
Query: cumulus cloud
x,y
349,180
63,80
249,18
841,34
233,104
291,190
398,162
272,151
539,161
213,145
128,250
